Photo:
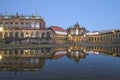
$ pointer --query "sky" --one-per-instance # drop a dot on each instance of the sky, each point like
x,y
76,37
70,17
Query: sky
x,y
94,15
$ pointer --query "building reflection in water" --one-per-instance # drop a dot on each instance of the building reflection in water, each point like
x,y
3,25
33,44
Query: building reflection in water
x,y
76,53
15,64
17,60
105,49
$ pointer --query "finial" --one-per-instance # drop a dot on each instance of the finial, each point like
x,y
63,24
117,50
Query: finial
x,y
6,13
77,23
36,13
32,15
0,14
40,17
16,13
22,15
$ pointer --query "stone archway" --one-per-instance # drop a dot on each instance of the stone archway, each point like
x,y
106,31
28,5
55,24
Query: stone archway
x,y
43,35
6,35
6,39
22,35
11,36
37,34
26,34
32,34
16,25
48,35
1,35
16,36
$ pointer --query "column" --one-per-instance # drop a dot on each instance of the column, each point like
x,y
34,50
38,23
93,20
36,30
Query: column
x,y
119,36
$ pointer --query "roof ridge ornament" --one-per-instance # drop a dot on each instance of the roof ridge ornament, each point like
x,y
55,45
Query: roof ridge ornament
x,y
36,13
77,25
6,13
16,13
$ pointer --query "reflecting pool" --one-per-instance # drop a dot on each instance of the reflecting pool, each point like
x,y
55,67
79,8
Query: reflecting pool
x,y
93,62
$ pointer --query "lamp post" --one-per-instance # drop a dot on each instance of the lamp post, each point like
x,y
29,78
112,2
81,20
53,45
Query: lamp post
x,y
0,57
1,29
69,38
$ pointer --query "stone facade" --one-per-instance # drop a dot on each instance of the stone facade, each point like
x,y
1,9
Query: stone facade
x,y
106,37
32,29
75,33
20,28
59,35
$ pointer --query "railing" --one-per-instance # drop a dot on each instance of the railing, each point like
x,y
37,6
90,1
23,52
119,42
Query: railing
x,y
27,40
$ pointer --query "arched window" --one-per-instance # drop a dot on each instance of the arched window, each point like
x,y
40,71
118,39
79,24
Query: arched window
x,y
26,25
6,25
16,51
43,35
16,36
71,31
1,24
76,31
22,24
26,34
116,36
16,25
1,35
11,24
21,51
32,34
37,25
48,35
6,35
22,35
32,24
11,35
37,34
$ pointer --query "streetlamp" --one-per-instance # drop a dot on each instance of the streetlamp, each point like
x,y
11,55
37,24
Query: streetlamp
x,y
69,38
1,29
69,35
0,57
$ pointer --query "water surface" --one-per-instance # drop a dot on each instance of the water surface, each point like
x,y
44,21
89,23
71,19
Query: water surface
x,y
61,63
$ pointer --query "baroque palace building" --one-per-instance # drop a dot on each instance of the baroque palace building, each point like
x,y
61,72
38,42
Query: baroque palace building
x,y
24,29
105,37
28,29
76,33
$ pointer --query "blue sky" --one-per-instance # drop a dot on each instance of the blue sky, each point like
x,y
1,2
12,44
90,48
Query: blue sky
x,y
94,15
